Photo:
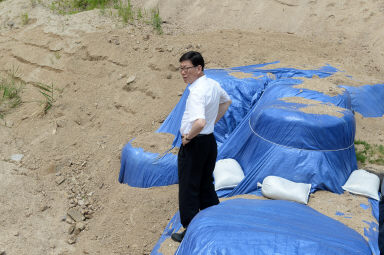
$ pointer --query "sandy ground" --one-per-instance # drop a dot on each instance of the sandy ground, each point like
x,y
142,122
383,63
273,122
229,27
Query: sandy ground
x,y
71,154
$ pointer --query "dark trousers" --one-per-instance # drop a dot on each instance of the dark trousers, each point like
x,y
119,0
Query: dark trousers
x,y
196,162
381,225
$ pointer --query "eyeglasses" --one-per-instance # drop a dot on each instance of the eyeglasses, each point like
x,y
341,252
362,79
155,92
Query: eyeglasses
x,y
185,68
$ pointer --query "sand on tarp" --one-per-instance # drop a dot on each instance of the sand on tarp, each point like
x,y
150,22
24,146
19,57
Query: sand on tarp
x,y
242,75
155,142
315,107
321,85
349,209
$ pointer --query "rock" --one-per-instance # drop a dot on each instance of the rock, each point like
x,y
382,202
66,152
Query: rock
x,y
59,180
63,218
172,68
170,49
189,46
75,214
69,220
71,240
153,67
71,229
114,40
10,23
169,76
146,37
44,208
79,227
131,79
17,157
9,123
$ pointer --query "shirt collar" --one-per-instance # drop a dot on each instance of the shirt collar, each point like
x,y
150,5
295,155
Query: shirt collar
x,y
196,81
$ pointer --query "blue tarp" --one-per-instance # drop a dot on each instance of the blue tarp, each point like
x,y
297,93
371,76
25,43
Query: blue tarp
x,y
269,136
368,99
247,226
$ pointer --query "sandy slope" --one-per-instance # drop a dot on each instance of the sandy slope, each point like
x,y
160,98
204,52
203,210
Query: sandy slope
x,y
88,58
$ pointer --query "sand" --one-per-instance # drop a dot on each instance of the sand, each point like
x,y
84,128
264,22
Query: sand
x,y
71,155
315,107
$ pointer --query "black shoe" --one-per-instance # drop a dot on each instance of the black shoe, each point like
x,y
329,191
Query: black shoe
x,y
178,237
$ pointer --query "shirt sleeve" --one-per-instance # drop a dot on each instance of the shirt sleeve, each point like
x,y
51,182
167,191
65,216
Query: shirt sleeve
x,y
196,105
224,97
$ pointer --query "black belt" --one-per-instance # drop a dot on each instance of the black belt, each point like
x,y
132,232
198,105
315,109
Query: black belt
x,y
200,135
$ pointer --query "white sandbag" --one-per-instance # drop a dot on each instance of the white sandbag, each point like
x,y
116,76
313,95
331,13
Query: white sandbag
x,y
363,183
228,173
275,187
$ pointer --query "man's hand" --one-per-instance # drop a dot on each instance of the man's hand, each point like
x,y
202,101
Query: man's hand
x,y
185,140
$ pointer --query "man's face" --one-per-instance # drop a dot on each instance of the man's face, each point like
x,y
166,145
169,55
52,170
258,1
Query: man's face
x,y
189,72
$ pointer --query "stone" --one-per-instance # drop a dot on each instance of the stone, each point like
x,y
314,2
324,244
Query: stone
x,y
71,240
71,229
131,79
169,76
9,123
10,23
75,214
78,228
44,208
17,157
173,68
59,180
146,37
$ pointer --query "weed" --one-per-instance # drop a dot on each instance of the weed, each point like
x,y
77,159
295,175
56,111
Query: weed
x,y
126,12
24,19
156,20
47,92
369,152
57,55
10,88
139,14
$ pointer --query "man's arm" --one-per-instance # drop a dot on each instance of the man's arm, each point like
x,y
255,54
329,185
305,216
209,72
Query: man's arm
x,y
197,126
222,109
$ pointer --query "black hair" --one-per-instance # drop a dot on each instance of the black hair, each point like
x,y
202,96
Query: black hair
x,y
195,57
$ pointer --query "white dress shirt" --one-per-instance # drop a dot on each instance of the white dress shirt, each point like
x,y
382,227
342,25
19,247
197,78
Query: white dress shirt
x,y
203,103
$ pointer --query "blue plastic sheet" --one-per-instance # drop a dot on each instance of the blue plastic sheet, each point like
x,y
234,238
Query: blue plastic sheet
x,y
242,226
259,158
146,164
270,136
368,100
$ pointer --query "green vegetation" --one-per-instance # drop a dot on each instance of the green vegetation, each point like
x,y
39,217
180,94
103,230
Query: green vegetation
x,y
156,20
371,153
24,19
126,12
123,9
10,88
47,92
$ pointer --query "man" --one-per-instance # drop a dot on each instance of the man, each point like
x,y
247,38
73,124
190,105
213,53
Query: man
x,y
206,104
